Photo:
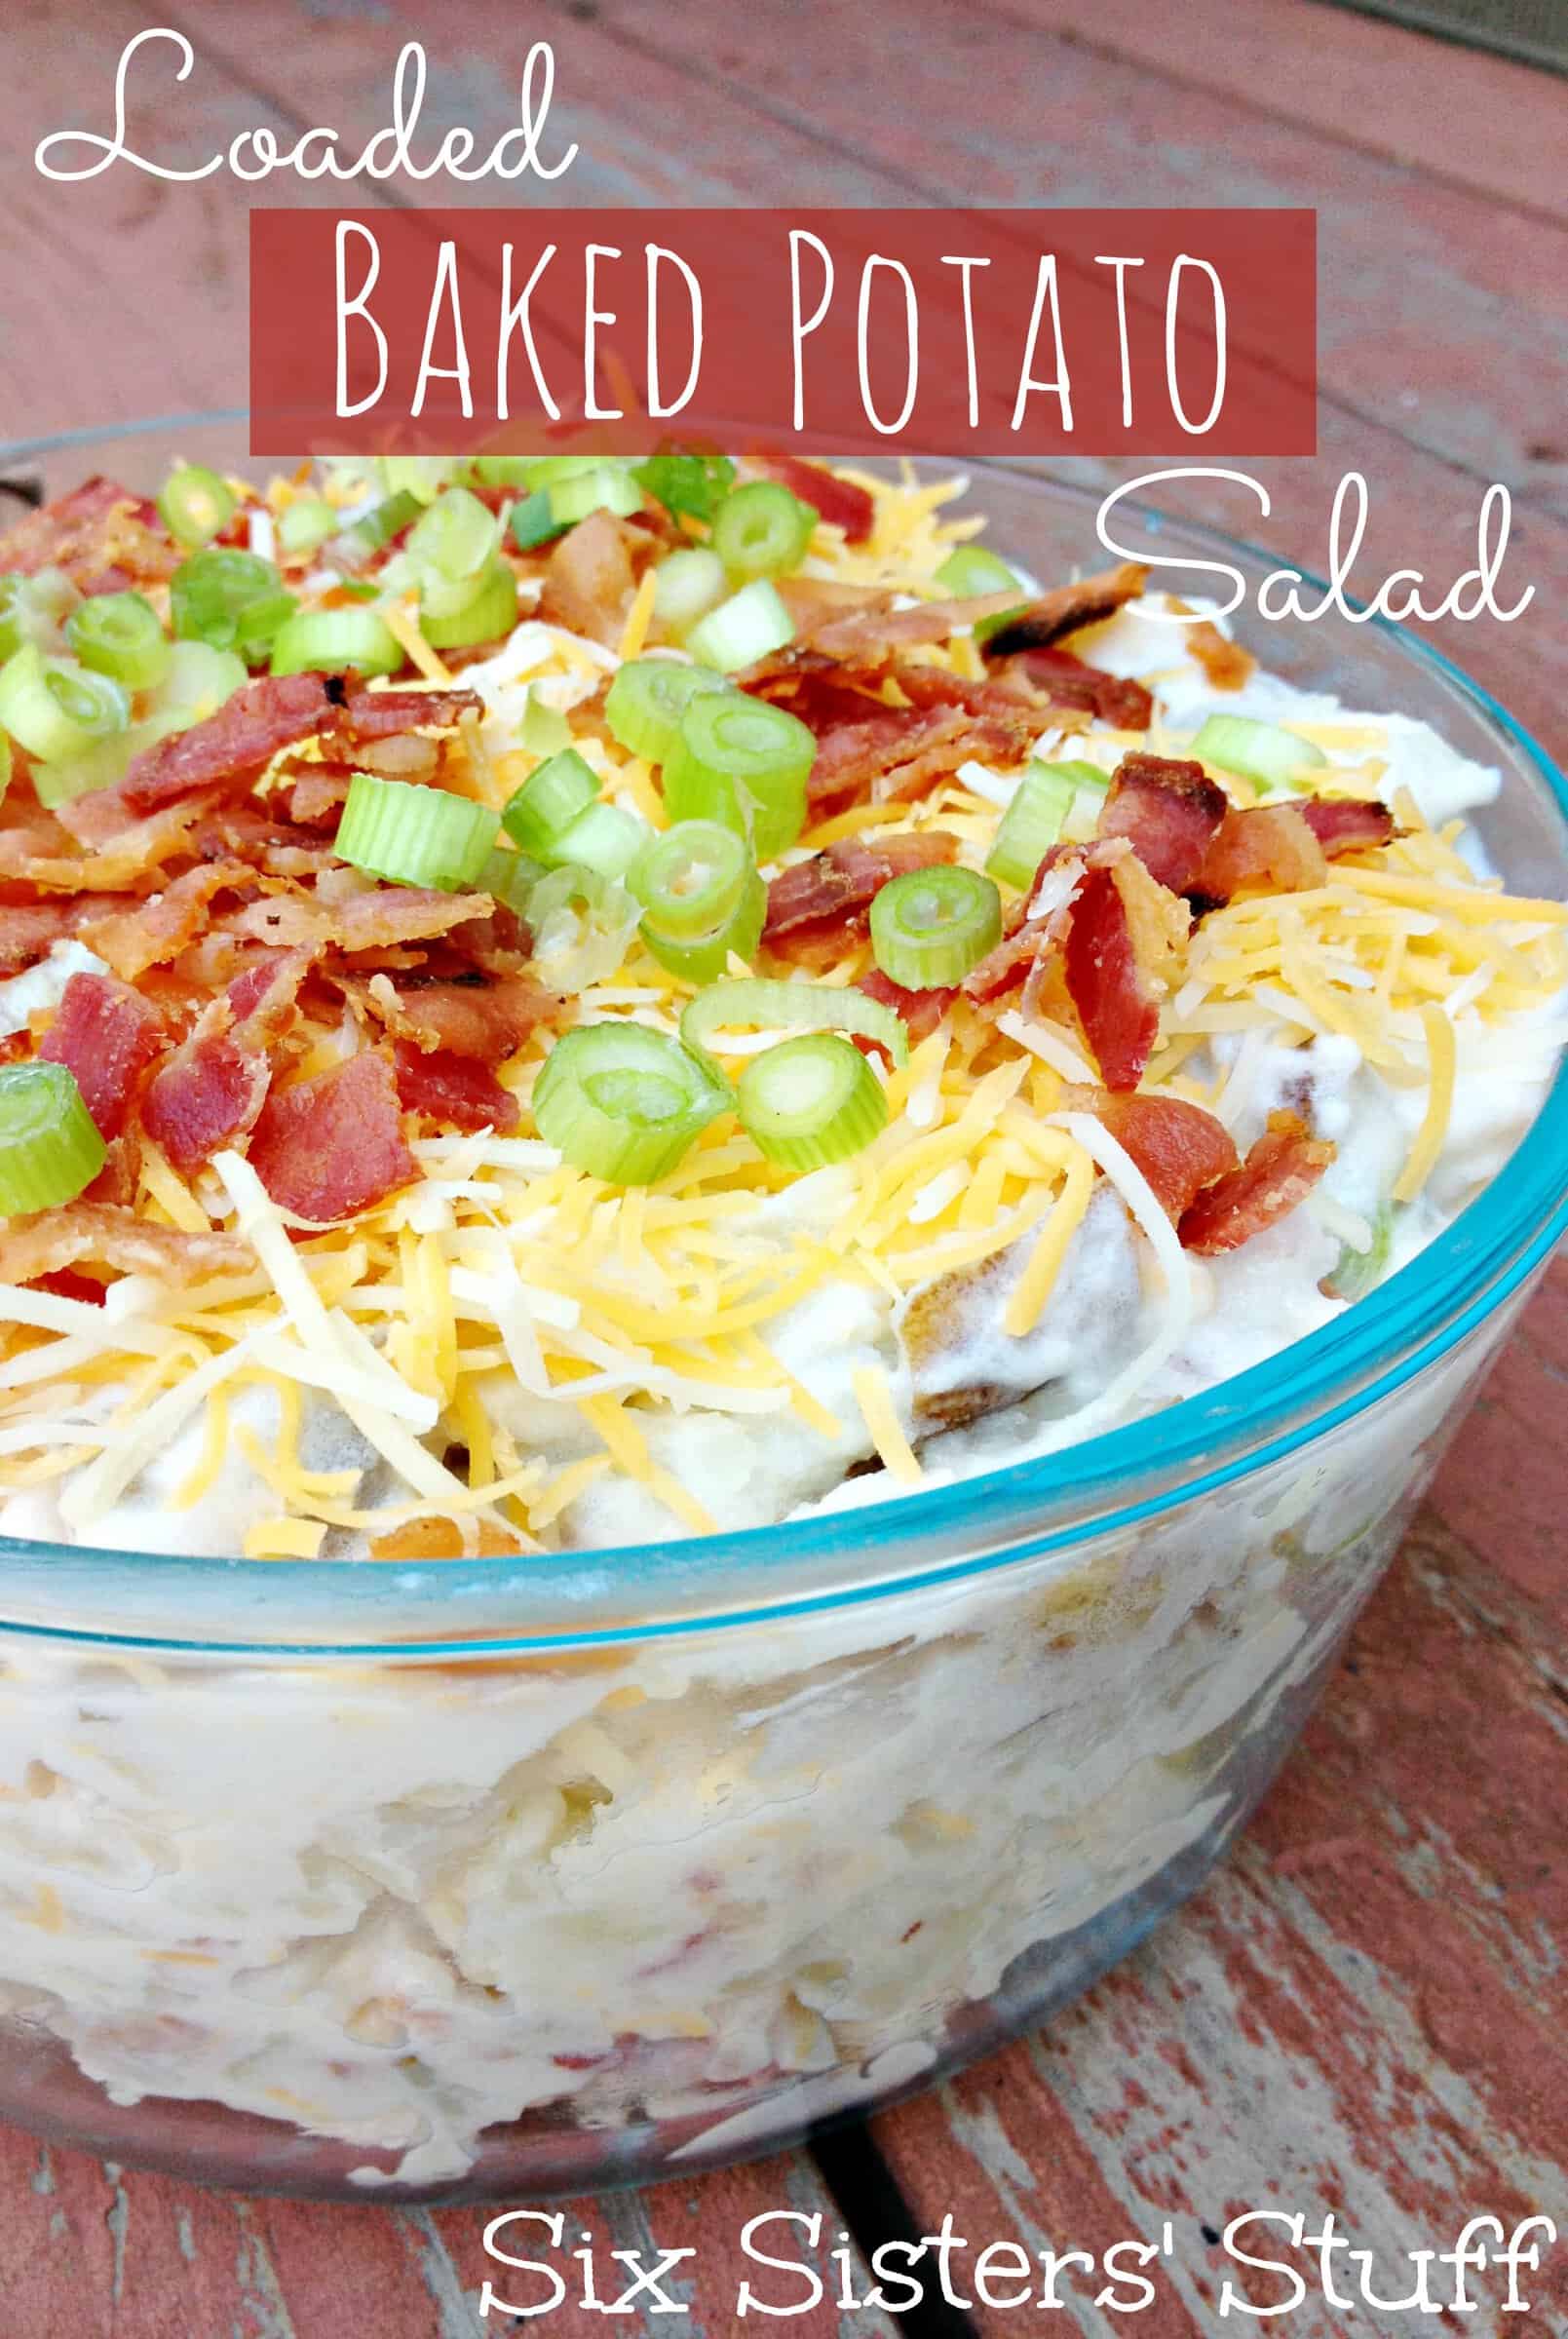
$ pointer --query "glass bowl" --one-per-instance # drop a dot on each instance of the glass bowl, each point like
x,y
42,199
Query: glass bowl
x,y
514,1877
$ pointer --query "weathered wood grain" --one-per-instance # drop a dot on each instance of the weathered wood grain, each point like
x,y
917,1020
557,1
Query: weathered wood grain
x,y
1281,57
1443,317
89,2251
1359,2013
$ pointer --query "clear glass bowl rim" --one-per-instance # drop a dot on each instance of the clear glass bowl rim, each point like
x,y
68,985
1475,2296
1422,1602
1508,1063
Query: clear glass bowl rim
x,y
729,1582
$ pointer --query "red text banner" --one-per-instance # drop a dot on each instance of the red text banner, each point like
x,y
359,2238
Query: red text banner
x,y
1022,332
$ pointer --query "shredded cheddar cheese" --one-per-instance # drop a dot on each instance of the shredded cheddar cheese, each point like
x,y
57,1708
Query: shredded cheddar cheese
x,y
1440,1055
881,1416
505,1264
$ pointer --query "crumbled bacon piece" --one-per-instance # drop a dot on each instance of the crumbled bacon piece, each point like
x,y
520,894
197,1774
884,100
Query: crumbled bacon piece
x,y
113,1236
1269,847
373,920
1170,811
1348,824
208,1093
921,1011
1033,927
249,832
101,535
897,754
1005,968
819,905
404,755
840,502
318,793
1115,1001
261,997
453,1088
1066,682
233,746
155,931
123,847
1279,1171
1066,609
589,579
370,715
106,1035
1179,1147
1225,663
29,930
811,600
859,632
332,1145
483,1020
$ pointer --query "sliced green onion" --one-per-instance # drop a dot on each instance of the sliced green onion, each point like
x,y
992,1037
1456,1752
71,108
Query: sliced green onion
x,y
762,530
502,471
388,519
509,877
743,763
702,900
929,925
49,1146
622,1102
691,878
1359,1271
750,624
198,682
791,1006
810,1101
486,616
210,591
423,476
455,535
544,729
259,623
606,484
34,608
1261,752
547,802
1039,812
970,570
120,633
195,504
55,709
97,704
308,521
533,522
704,957
686,585
415,835
688,485
542,470
330,642
604,837
648,697
103,764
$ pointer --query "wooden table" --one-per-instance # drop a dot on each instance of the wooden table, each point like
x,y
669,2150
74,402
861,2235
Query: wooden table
x,y
1363,2010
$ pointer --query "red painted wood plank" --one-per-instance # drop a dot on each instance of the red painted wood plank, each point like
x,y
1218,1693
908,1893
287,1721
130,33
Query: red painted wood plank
x,y
1316,69
1361,2011
1500,1489
92,2252
1443,317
